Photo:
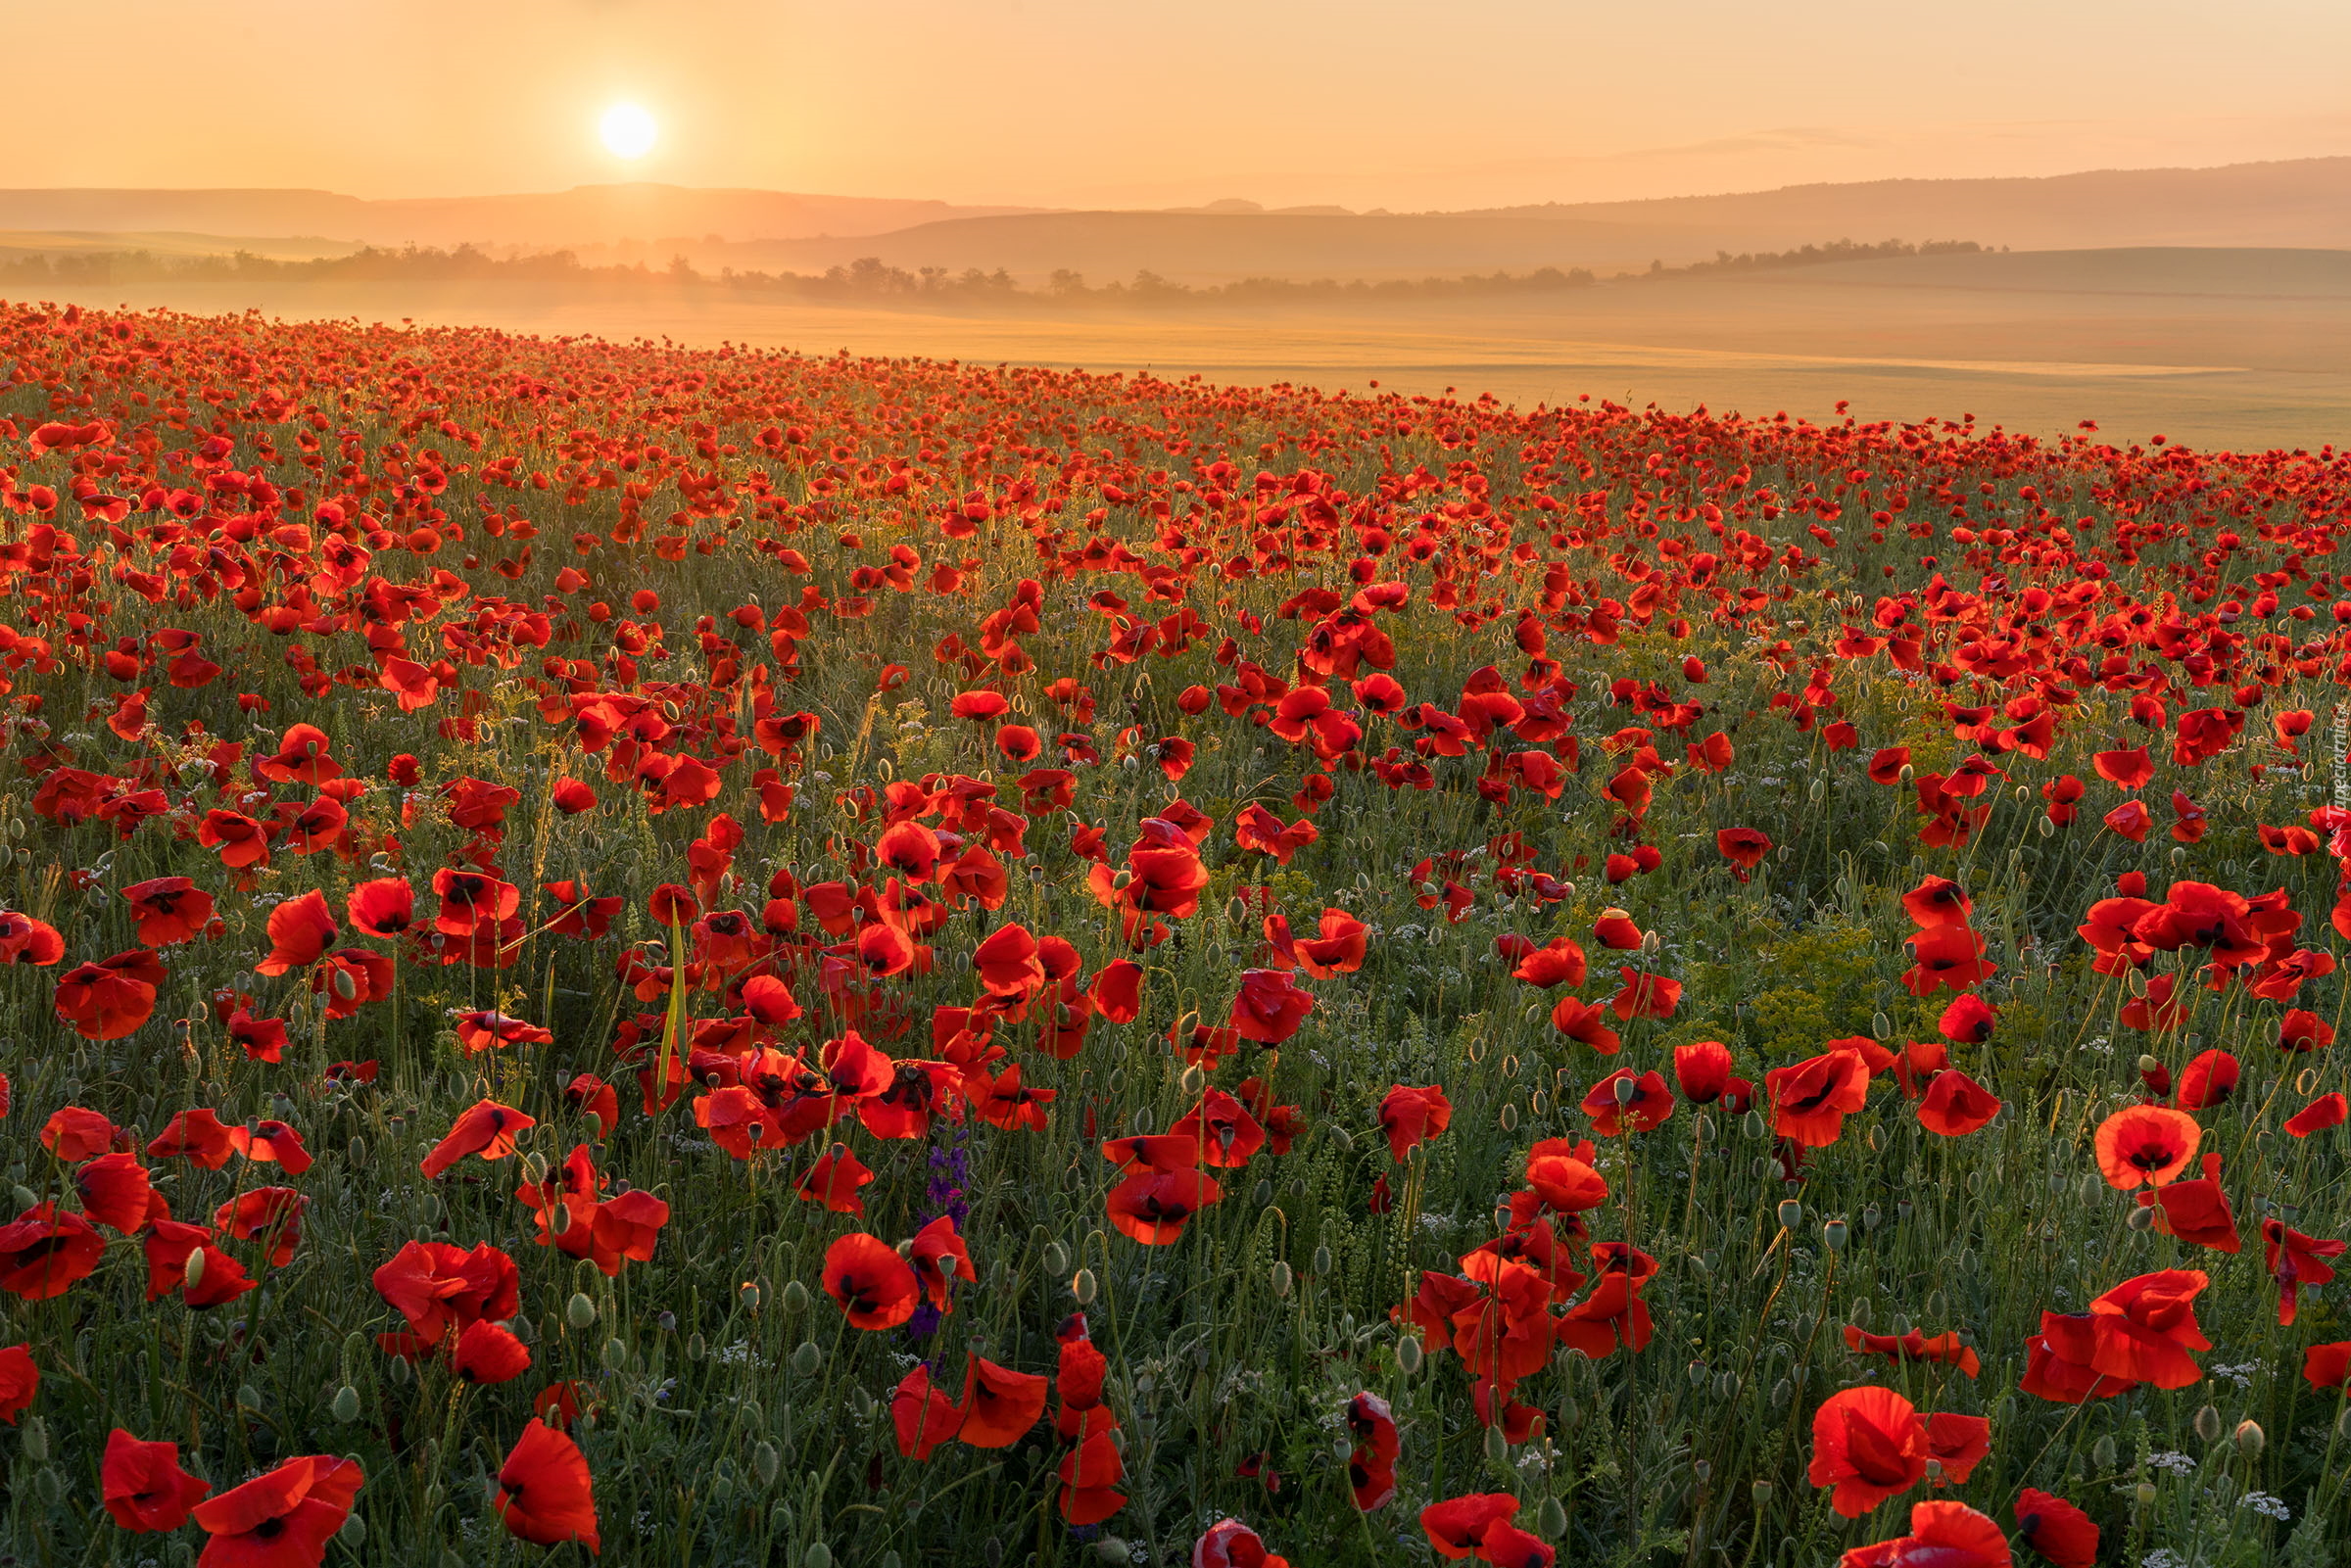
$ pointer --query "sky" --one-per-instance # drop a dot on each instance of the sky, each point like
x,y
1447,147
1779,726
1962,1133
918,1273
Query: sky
x,y
1145,102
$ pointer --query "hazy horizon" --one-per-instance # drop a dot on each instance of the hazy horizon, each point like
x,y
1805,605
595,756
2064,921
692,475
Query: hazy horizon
x,y
1504,102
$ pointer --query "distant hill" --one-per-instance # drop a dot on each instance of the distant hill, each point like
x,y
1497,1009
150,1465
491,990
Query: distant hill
x,y
2304,203
587,214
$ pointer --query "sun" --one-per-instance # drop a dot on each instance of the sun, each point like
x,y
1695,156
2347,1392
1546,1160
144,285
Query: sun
x,y
628,131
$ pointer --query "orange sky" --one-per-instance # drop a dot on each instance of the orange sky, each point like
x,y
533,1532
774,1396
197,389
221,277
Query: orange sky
x,y
1451,103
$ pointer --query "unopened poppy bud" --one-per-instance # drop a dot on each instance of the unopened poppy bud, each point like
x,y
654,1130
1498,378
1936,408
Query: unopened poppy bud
x,y
579,1311
2141,1220
1322,1262
1550,1520
2250,1439
1408,1354
818,1556
2045,828
1509,1118
1834,1235
2208,1424
558,1219
1264,1191
1907,774
35,1440
2144,1494
347,1403
1057,1259
195,1268
765,1463
795,1296
1935,1471
248,1397
806,1358
2101,1453
1792,1214
1236,911
1881,1025
1109,1548
1753,1123
1498,1446
1082,1286
1192,1079
2147,1064
1338,1135
1282,1278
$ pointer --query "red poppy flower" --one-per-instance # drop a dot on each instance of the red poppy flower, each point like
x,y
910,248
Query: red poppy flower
x,y
1869,1444
2057,1529
1956,1105
111,998
1646,996
300,929
1269,1007
1557,962
114,1190
1649,1107
923,1416
74,1133
485,1129
274,1212
45,1250
872,1285
1411,1114
143,1485
1152,1207
1230,1543
1459,1526
2209,1080
2325,1366
283,1519
486,1353
1914,1345
269,1142
169,910
1744,847
544,1494
834,1182
198,1135
385,908
2295,1261
1811,1099
2196,1211
999,1405
19,1382
1943,1535
25,940
2327,1111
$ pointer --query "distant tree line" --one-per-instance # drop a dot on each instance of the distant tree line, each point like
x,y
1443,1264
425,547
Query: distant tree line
x,y
871,278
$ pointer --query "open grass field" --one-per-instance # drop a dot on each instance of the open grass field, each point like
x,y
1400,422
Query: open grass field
x,y
710,956
2244,349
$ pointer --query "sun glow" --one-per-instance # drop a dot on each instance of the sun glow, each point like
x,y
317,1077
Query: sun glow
x,y
628,131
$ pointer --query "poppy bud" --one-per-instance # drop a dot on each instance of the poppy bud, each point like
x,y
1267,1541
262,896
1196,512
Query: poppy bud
x,y
1282,1278
558,1219
2142,1219
1832,1235
1408,1354
1497,1447
356,1154
795,1294
195,1268
696,1349
580,1312
2045,828
347,1403
2144,1494
35,1440
1880,1026
2147,1064
346,988
1322,1262
248,1397
1192,1079
1781,1392
1083,1287
1109,1548
1935,1471
1907,774
1236,911
1753,1123
1338,1135
818,1556
807,1359
1509,1117
2101,1453
2250,1439
765,1463
2208,1424
1792,1214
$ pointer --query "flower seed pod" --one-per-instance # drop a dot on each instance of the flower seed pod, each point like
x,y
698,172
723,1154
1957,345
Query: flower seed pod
x,y
1083,1287
1760,1492
579,1311
1626,1091
1834,1235
1791,1214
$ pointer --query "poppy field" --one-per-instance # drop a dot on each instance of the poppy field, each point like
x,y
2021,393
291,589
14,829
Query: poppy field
x,y
711,956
